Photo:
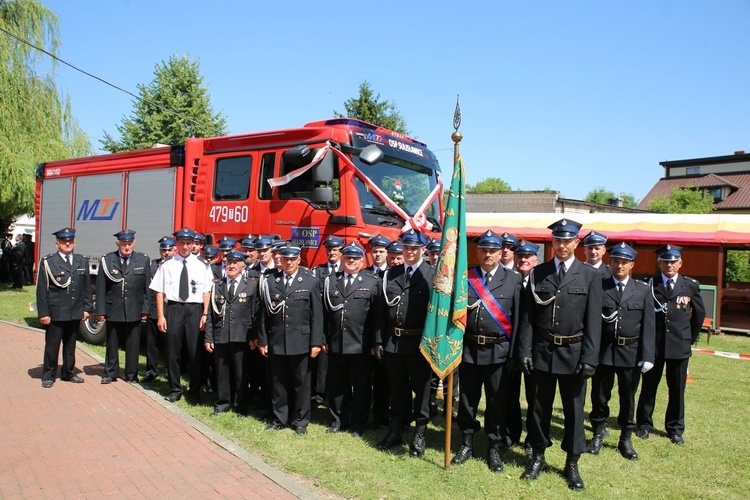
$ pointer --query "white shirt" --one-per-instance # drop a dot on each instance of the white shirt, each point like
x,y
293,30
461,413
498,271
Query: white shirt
x,y
624,282
568,263
167,279
413,267
665,279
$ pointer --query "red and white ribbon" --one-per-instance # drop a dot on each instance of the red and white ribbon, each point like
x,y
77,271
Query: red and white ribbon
x,y
733,355
418,222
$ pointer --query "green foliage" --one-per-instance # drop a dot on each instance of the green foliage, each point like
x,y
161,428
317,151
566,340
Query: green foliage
x,y
602,196
738,266
36,123
489,185
687,200
173,106
368,107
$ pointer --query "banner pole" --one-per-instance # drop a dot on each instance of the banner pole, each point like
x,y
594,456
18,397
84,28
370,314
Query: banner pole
x,y
448,405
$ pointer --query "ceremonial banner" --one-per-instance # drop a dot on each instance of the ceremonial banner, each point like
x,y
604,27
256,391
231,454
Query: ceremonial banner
x,y
442,339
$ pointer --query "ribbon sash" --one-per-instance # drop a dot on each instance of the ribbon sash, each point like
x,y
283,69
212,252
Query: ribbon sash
x,y
497,313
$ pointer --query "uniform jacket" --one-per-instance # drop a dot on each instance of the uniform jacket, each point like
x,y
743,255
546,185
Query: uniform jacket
x,y
300,325
506,287
411,310
577,308
634,318
678,325
352,329
605,271
64,303
217,271
153,266
322,272
240,314
128,299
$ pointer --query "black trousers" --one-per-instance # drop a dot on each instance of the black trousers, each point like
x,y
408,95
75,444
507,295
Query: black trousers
x,y
130,332
55,333
513,415
407,374
573,395
183,328
381,392
473,378
290,397
350,387
231,376
601,392
154,339
258,380
674,419
319,374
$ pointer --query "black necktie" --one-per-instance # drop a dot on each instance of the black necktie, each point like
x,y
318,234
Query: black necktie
x,y
69,261
184,289
124,263
408,273
232,289
620,288
561,272
348,286
287,281
670,285
487,278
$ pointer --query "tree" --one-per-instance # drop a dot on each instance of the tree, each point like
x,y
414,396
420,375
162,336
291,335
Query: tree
x,y
174,106
368,107
738,266
36,124
489,185
687,200
602,196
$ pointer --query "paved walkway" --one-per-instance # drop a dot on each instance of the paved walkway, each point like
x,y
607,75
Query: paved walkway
x,y
91,441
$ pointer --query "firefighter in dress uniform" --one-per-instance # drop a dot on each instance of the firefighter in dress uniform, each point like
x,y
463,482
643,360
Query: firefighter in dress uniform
x,y
122,299
627,349
380,391
594,248
491,325
63,298
153,337
559,339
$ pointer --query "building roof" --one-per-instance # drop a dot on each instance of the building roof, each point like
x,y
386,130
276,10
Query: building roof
x,y
739,198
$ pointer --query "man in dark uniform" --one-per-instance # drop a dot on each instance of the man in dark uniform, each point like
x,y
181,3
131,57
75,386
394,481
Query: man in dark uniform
x,y
491,325
233,315
290,333
63,299
226,245
319,366
594,248
407,295
559,342
433,251
209,253
679,317
380,389
353,303
524,260
17,256
122,300
153,337
395,254
199,241
183,285
506,254
247,246
626,350
265,263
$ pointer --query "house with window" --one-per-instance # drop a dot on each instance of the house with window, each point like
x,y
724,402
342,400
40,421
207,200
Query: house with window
x,y
725,178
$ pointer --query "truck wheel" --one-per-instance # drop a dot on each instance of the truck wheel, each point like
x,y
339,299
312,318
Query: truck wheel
x,y
93,331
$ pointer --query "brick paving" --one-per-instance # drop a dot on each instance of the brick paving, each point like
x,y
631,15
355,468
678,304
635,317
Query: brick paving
x,y
93,441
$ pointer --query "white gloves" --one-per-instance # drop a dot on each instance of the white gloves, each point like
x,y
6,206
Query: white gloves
x,y
645,366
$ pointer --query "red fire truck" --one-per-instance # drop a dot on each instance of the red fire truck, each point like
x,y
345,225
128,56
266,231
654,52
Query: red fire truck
x,y
339,176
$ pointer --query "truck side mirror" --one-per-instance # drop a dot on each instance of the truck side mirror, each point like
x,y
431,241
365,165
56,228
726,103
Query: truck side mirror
x,y
323,171
323,195
371,155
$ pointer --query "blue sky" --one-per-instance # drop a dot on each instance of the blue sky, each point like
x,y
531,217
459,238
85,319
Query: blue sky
x,y
567,95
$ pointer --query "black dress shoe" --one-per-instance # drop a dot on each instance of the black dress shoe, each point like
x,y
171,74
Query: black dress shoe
x,y
642,433
389,441
48,383
193,398
494,462
625,447
274,426
535,468
595,446
465,452
417,445
572,475
173,397
676,439
300,430
149,377
75,379
333,429
107,380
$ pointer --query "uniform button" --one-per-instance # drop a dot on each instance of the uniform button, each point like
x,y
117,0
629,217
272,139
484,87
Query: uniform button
x,y
557,323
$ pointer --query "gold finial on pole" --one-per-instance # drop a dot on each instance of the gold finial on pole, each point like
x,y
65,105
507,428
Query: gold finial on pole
x,y
456,135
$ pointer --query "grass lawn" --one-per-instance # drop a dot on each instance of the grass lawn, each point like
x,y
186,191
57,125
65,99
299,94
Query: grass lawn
x,y
712,463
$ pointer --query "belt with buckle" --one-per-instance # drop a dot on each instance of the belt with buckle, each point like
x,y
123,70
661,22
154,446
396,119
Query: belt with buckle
x,y
626,340
407,332
484,339
561,339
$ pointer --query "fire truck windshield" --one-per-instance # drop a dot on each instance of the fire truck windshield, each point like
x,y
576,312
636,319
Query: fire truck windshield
x,y
407,184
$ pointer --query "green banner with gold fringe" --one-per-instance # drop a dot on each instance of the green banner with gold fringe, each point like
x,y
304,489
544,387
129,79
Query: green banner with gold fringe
x,y
443,336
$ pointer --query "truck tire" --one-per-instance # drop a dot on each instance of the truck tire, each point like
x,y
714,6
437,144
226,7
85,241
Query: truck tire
x,y
93,331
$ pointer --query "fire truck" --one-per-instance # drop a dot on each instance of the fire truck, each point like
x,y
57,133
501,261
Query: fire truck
x,y
339,176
